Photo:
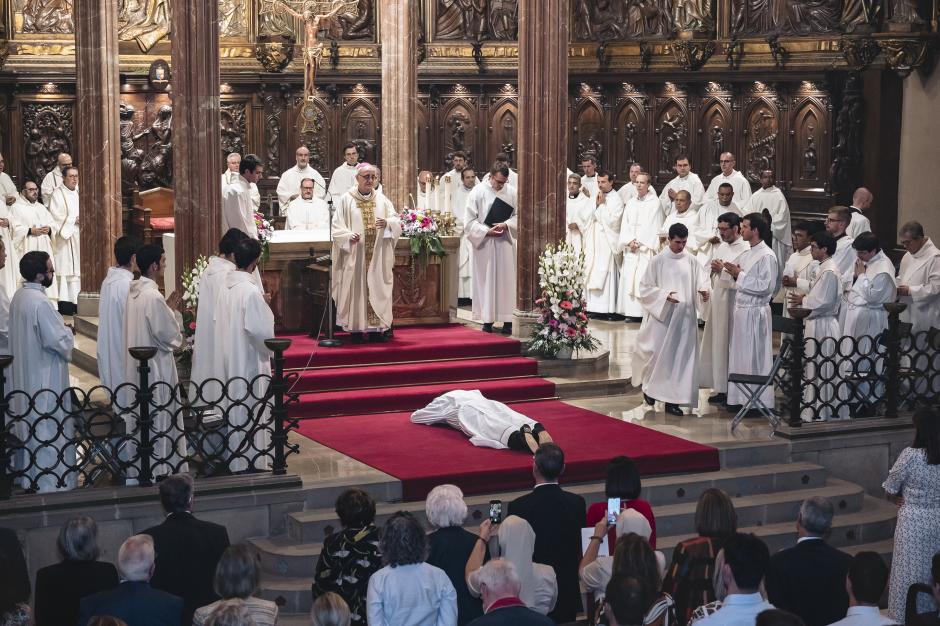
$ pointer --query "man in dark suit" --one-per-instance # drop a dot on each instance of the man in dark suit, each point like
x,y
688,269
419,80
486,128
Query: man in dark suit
x,y
14,579
499,588
809,578
188,549
557,517
134,601
931,619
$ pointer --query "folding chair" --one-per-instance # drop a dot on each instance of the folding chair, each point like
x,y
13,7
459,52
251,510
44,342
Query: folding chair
x,y
753,385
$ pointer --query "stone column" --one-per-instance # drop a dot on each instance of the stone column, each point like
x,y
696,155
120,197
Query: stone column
x,y
197,149
543,142
98,153
399,99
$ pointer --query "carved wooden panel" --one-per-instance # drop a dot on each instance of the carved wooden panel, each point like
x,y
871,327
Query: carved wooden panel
x,y
274,105
233,120
316,137
416,291
671,128
503,133
786,17
44,17
715,135
809,140
612,20
630,136
459,129
233,18
761,132
588,134
361,127
146,140
47,131
476,20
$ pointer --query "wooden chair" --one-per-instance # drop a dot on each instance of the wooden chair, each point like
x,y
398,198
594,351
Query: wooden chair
x,y
152,214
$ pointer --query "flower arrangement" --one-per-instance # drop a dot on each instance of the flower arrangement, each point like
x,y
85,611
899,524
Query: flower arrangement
x,y
563,320
190,280
421,228
265,232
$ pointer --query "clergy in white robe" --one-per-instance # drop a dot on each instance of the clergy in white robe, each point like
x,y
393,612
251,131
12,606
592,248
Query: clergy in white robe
x,y
494,251
666,354
861,201
12,231
230,175
684,215
243,322
705,236
64,208
589,177
836,223
41,345
628,190
149,321
468,183
421,196
578,213
4,307
365,231
112,308
770,198
639,241
288,187
919,279
800,268
37,228
757,278
737,180
238,211
344,176
7,187
716,339
54,177
307,212
450,182
602,247
685,180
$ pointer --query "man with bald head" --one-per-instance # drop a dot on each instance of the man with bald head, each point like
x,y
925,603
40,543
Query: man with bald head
x,y
628,190
53,179
737,180
288,187
861,201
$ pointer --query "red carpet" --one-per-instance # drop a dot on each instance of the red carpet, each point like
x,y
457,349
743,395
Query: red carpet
x,y
425,456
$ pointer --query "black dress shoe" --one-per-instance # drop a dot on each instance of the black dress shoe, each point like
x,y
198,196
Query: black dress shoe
x,y
718,398
507,328
378,337
650,401
733,408
673,409
487,328
356,338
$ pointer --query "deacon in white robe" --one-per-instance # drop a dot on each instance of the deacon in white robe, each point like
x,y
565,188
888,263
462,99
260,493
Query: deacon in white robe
x,y
243,322
602,245
230,175
628,190
64,208
238,211
54,177
705,235
344,176
684,215
112,307
836,223
288,187
494,251
450,182
770,198
718,315
307,212
11,232
365,231
422,195
861,201
685,180
578,212
41,345
737,180
589,177
666,354
757,278
919,279
37,230
468,183
800,268
639,241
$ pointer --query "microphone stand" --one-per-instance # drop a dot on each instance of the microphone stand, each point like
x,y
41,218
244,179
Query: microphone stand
x,y
330,341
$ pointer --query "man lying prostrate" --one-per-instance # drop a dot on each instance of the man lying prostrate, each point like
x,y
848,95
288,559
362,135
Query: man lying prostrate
x,y
488,423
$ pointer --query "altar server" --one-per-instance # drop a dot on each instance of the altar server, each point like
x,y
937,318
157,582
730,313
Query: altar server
x,y
150,321
769,198
873,287
307,212
344,176
665,358
468,182
37,228
589,178
602,247
861,201
41,345
578,214
919,278
494,251
243,322
685,180
683,214
54,177
639,241
705,235
64,208
288,187
800,268
628,190
757,278
112,306
238,211
365,231
836,223
742,188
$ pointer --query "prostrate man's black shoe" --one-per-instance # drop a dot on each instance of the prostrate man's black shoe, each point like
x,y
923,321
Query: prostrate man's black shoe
x,y
356,338
673,409
733,408
650,401
718,398
487,328
507,328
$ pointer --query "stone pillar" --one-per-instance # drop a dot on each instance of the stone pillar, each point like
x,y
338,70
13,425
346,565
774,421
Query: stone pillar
x,y
98,149
399,99
543,142
197,148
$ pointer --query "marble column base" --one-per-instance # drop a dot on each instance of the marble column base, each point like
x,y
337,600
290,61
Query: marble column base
x,y
88,303
522,324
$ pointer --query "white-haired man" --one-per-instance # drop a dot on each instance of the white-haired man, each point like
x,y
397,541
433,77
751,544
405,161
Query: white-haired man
x,y
919,278
230,175
500,587
134,601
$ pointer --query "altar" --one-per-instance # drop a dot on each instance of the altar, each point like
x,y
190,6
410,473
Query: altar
x,y
424,292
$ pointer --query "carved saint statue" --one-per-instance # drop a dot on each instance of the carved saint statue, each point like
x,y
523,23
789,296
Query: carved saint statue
x,y
672,132
143,21
904,12
629,135
860,15
809,157
504,19
232,22
313,24
693,15
718,146
48,16
156,169
131,155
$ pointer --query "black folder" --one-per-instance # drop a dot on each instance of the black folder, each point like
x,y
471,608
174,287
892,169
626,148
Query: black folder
x,y
499,212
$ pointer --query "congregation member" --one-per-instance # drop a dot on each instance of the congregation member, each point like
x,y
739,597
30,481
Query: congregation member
x,y
494,250
919,278
55,177
682,213
756,277
468,182
706,234
344,176
737,180
238,210
307,212
595,571
329,610
770,198
238,577
629,190
685,180
366,228
799,269
288,186
501,592
578,212
625,600
502,160
64,209
634,556
622,481
187,549
112,306
861,202
602,246
243,322
746,562
557,517
14,578
38,228
41,345
666,354
350,555
639,241
137,601
152,321
451,181
808,579
836,222
931,618
866,581
60,587
408,591
589,174
719,315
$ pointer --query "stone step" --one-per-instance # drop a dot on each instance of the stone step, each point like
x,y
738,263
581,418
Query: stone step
x,y
87,326
85,353
749,453
314,525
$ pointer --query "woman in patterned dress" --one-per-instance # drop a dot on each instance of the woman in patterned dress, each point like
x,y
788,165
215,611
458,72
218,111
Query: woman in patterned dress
x,y
914,485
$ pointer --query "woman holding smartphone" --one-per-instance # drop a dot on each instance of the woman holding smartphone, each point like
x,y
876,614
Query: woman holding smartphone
x,y
623,482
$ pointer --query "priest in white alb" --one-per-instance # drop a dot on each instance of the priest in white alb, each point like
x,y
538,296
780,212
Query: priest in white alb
x,y
152,321
800,268
451,181
54,177
41,345
288,187
628,190
639,241
238,211
919,278
685,215
494,250
38,227
502,159
230,175
757,278
11,231
589,176
861,202
737,180
244,321
601,246
344,176
770,198
64,208
468,182
112,309
666,354
7,187
836,223
578,213
421,196
307,212
705,236
685,180
4,308
365,231
718,315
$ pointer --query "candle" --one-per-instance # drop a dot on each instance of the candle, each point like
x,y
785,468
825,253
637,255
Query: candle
x,y
446,194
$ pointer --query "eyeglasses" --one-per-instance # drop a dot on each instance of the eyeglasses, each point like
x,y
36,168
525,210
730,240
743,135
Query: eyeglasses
x,y
834,220
726,161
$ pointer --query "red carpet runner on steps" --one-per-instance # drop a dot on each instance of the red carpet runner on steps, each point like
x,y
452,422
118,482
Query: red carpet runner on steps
x,y
363,396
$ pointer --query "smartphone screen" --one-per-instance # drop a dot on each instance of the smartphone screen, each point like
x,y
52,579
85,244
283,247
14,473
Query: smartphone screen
x,y
496,511
613,510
